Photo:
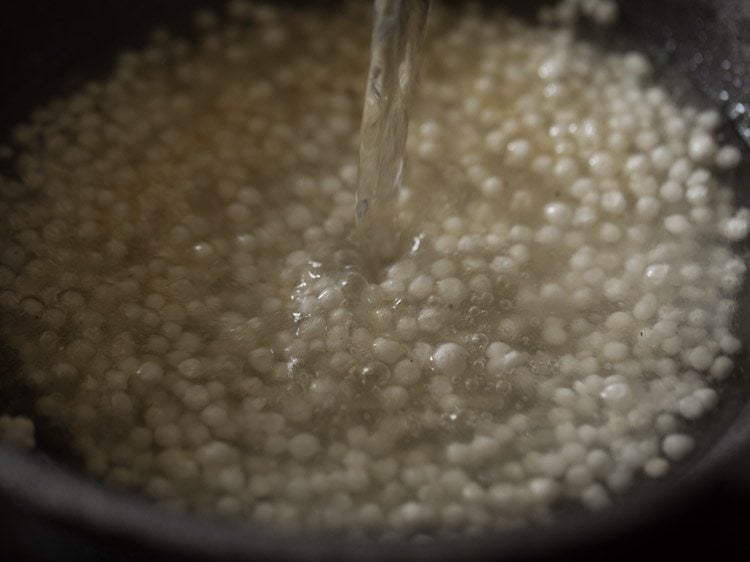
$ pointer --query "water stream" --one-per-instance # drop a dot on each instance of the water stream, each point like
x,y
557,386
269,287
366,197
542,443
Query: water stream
x,y
396,52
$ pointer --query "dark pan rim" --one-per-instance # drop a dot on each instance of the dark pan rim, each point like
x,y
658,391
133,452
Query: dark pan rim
x,y
82,504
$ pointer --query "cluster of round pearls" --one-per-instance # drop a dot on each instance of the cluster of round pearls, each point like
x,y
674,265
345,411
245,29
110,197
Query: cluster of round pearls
x,y
180,284
601,12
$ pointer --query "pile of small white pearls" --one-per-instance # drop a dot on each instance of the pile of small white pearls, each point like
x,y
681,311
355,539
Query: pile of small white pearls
x,y
178,279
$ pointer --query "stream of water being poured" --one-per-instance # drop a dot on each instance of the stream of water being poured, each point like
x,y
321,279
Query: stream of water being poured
x,y
397,39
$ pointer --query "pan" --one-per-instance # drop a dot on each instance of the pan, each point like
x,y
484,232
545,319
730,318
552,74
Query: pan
x,y
51,47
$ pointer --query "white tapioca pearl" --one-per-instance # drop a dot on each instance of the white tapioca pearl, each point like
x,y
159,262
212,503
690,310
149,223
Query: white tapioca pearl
x,y
213,415
699,175
458,453
454,225
700,358
615,351
677,446
707,397
443,268
615,289
430,129
656,467
602,164
394,397
619,480
216,453
522,201
323,391
610,233
677,224
497,349
637,165
618,395
578,476
595,497
647,207
303,446
721,368
672,345
603,13
402,270
646,307
698,194
407,372
656,275
558,214
452,290
676,128
450,359
431,319
552,292
480,283
708,119
150,371
585,217
261,359
565,169
730,344
393,286
498,365
237,212
573,452
495,141
298,217
619,321
554,332
644,186
407,328
519,253
598,462
421,286
330,298
582,188
701,147
381,319
665,423
737,227
690,407
337,339
548,235
483,448
662,158
636,63
518,151
386,350
564,397
492,187
727,157
545,490
614,202
521,233
701,216
504,265
553,67
671,191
